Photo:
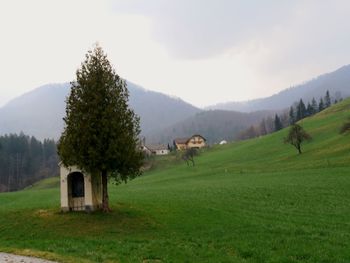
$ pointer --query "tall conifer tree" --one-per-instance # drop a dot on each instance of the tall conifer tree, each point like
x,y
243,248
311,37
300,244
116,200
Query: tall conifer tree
x,y
321,105
101,131
314,106
278,123
327,100
301,110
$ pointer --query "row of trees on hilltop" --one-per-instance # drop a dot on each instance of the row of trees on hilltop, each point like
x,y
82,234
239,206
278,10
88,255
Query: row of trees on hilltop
x,y
24,160
301,110
297,112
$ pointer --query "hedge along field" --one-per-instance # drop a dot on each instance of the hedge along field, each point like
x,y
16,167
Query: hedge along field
x,y
252,201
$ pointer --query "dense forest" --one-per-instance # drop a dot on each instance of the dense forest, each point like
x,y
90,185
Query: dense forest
x,y
24,160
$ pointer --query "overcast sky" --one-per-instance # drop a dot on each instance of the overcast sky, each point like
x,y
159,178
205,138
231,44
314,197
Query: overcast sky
x,y
204,51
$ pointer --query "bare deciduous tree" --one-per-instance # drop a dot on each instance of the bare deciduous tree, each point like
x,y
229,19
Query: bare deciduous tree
x,y
188,156
296,136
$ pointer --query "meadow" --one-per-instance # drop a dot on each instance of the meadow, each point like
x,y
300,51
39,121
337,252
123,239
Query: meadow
x,y
250,201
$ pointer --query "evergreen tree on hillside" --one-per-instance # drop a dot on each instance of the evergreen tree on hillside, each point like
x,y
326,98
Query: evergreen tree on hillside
x,y
321,105
301,110
101,132
309,110
314,106
278,123
327,100
23,160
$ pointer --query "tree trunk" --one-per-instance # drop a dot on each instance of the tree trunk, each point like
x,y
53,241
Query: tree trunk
x,y
299,149
105,200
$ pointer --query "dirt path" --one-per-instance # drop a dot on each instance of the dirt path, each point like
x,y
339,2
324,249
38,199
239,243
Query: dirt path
x,y
10,258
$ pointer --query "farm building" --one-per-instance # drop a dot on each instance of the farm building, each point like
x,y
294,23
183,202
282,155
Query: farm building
x,y
155,149
195,141
80,191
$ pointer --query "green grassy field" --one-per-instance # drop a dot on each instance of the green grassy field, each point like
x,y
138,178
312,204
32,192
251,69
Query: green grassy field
x,y
252,201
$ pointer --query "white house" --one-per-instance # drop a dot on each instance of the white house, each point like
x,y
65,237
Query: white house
x,y
156,149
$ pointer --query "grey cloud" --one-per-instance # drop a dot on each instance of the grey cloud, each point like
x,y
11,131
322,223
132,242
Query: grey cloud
x,y
317,38
196,29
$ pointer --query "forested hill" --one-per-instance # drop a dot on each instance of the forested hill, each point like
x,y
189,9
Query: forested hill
x,y
40,111
337,82
25,160
214,125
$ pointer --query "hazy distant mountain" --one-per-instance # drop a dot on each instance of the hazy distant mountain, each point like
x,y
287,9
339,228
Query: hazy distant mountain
x,y
214,125
337,81
163,118
40,112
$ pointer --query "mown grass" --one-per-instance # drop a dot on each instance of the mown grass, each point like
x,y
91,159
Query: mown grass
x,y
252,201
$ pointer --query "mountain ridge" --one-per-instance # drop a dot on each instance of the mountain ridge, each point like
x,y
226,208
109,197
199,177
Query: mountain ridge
x,y
335,81
40,111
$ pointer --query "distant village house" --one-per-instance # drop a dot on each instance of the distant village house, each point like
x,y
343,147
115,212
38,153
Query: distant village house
x,y
195,141
155,149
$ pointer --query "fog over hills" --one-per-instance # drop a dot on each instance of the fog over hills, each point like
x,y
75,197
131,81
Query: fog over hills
x,y
336,82
164,118
40,111
214,125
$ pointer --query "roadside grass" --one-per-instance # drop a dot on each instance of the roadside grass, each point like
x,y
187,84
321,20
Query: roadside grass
x,y
251,201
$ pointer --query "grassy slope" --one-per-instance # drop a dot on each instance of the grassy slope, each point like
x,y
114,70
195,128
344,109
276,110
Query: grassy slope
x,y
253,201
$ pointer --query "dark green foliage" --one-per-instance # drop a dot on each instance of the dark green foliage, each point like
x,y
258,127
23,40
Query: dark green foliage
x,y
327,100
321,105
296,136
101,132
301,110
309,110
278,123
24,160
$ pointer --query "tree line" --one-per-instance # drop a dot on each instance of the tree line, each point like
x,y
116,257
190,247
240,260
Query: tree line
x,y
298,111
25,160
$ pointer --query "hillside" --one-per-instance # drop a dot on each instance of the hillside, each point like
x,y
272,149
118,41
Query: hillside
x,y
250,201
214,125
40,111
336,82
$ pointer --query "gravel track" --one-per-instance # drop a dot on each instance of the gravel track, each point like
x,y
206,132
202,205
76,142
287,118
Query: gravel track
x,y
10,258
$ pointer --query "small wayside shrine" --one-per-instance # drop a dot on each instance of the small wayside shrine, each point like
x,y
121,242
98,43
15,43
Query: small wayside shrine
x,y
80,191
